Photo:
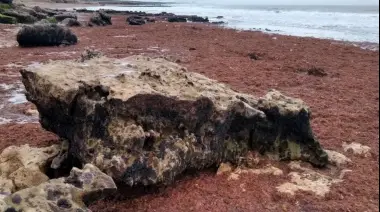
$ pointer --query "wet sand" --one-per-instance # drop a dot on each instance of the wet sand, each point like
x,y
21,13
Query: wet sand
x,y
344,104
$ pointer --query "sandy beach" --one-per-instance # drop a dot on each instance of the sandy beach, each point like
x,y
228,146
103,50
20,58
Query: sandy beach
x,y
344,104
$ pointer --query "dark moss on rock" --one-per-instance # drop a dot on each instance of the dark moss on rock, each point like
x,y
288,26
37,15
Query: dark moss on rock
x,y
45,35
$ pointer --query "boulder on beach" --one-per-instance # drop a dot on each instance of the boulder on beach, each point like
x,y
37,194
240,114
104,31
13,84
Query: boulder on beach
x,y
61,17
136,20
100,18
49,12
21,17
195,18
218,22
177,19
72,193
45,35
144,121
71,22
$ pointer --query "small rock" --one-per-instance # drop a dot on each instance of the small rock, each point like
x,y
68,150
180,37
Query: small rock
x,y
234,176
357,149
253,56
31,112
336,158
219,17
72,193
267,170
26,177
6,186
314,71
224,168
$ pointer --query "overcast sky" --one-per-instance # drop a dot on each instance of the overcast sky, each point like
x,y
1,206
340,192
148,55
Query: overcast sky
x,y
286,2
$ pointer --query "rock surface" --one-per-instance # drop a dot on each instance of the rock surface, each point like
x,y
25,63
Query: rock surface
x,y
145,121
4,19
45,35
61,17
21,17
24,166
72,193
135,20
70,22
100,18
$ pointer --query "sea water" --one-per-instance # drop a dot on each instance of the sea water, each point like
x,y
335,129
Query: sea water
x,y
346,23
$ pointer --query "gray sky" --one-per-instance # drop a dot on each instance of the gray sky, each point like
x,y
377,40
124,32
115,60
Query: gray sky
x,y
288,2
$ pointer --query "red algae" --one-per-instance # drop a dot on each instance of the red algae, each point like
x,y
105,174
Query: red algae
x,y
344,103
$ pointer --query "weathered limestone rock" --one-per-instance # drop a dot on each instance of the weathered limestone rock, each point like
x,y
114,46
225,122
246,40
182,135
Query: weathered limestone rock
x,y
24,166
145,121
64,194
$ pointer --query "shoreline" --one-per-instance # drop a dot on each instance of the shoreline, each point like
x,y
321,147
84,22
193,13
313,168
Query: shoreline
x,y
373,46
344,105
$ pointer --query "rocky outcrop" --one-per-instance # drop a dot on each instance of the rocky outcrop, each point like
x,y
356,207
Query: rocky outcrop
x,y
145,121
136,20
49,12
100,18
45,35
4,19
195,18
61,17
177,19
21,17
24,166
72,193
70,22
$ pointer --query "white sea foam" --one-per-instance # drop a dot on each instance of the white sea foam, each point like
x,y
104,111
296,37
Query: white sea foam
x,y
357,24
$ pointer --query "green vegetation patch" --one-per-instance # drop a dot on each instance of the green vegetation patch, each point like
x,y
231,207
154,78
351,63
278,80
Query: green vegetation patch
x,y
4,19
52,20
4,7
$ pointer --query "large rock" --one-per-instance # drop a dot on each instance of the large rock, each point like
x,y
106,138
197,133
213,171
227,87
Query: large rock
x,y
49,12
136,20
45,35
177,19
145,121
70,22
63,16
22,17
72,193
24,166
100,18
195,18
